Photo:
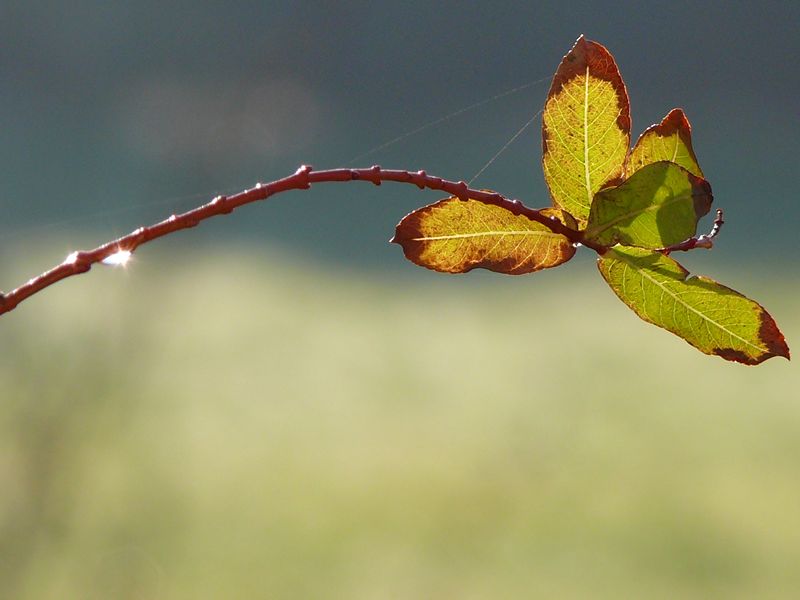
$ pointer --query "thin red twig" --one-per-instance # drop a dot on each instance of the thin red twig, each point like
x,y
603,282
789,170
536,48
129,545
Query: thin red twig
x,y
303,178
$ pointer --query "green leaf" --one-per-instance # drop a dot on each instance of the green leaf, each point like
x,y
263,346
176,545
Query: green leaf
x,y
585,128
456,236
711,317
669,140
657,206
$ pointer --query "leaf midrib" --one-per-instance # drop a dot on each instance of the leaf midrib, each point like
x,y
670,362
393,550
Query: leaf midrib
x,y
587,175
457,236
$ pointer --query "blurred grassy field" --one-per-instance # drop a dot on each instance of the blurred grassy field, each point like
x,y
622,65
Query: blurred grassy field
x,y
240,426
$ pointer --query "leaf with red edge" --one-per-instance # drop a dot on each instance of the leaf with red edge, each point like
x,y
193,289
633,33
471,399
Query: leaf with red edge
x,y
586,128
456,236
669,140
711,317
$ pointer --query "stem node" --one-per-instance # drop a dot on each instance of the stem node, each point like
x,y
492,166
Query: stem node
x,y
418,179
374,174
225,207
302,175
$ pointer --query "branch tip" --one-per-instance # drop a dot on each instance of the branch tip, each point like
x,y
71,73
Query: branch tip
x,y
718,223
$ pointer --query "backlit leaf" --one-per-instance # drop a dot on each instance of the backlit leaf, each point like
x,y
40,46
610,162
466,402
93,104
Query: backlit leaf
x,y
711,317
657,206
585,128
669,140
456,236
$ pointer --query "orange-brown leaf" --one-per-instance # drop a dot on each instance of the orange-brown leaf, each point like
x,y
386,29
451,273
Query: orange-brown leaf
x,y
456,236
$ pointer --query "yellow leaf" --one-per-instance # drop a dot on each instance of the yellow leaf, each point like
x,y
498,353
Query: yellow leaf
x,y
585,128
456,236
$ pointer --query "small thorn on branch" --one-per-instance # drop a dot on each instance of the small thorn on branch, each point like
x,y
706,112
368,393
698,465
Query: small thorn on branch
x,y
373,174
78,261
137,235
302,174
463,190
225,208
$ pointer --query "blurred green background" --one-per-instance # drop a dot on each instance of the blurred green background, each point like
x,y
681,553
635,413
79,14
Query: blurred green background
x,y
277,405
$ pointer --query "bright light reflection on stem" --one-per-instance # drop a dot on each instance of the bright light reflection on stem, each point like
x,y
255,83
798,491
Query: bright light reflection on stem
x,y
118,259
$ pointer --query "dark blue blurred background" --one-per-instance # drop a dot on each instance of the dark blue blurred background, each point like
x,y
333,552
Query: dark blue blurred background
x,y
115,114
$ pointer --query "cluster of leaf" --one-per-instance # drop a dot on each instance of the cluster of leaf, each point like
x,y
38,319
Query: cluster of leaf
x,y
630,206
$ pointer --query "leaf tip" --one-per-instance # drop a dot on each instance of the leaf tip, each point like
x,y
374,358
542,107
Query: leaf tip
x,y
772,337
674,136
674,122
581,42
769,335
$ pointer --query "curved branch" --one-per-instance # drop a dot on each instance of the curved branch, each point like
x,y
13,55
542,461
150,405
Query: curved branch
x,y
303,178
